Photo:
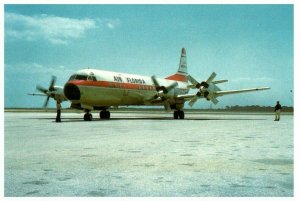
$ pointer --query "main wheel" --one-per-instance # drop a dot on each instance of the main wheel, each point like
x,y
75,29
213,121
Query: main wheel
x,y
85,117
104,114
107,114
181,114
175,114
88,117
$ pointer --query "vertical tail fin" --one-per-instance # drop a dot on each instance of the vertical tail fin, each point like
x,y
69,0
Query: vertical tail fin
x,y
181,74
182,64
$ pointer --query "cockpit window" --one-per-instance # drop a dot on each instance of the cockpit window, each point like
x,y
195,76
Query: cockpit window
x,y
72,77
78,77
81,77
92,77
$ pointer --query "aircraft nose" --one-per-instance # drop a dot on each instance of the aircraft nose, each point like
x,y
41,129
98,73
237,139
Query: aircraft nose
x,y
72,91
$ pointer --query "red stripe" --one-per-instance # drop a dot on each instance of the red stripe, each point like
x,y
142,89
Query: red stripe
x,y
112,84
177,77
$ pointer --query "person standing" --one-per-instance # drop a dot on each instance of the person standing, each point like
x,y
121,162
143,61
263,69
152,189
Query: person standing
x,y
58,111
277,111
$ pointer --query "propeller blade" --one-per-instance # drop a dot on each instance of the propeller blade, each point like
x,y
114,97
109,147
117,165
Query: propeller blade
x,y
211,77
161,91
50,92
195,83
192,80
46,102
171,86
155,82
164,89
52,83
214,100
193,100
42,89
219,81
191,86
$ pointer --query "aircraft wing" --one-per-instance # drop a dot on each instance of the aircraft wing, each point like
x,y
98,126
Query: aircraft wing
x,y
185,96
37,94
221,93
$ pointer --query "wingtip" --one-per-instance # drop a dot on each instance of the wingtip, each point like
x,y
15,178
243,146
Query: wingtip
x,y
265,88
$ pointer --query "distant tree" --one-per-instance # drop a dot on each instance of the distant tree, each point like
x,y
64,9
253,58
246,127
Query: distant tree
x,y
257,108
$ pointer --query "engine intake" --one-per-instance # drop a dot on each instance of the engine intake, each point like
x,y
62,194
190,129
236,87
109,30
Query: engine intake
x,y
72,91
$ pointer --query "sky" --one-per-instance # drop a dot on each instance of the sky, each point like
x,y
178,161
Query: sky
x,y
250,45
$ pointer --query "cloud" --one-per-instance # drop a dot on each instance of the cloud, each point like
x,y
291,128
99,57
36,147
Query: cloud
x,y
34,69
109,23
35,73
54,29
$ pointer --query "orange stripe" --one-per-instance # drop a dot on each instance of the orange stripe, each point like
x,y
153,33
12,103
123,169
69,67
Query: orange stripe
x,y
177,77
112,84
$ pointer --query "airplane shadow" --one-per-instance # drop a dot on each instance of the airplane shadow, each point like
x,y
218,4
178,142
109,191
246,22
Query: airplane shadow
x,y
70,120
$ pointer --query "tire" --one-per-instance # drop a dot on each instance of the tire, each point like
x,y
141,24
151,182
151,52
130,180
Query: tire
x,y
181,114
104,114
88,117
176,114
107,114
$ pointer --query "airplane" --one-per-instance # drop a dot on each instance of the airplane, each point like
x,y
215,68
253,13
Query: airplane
x,y
92,89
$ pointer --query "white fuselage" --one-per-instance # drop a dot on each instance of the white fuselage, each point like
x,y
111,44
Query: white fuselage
x,y
91,87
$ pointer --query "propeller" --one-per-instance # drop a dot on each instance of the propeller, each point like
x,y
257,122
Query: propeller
x,y
204,88
50,92
162,91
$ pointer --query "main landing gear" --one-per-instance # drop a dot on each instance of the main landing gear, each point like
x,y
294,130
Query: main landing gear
x,y
104,114
87,116
178,114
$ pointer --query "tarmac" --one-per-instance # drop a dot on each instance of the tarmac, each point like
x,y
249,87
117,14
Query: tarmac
x,y
148,154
